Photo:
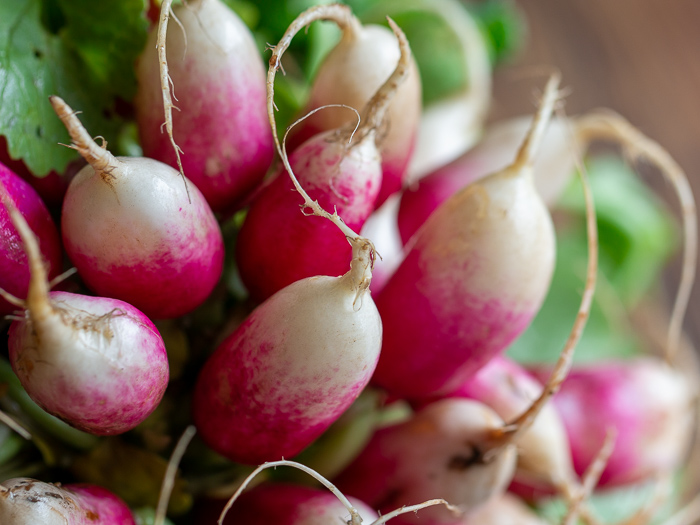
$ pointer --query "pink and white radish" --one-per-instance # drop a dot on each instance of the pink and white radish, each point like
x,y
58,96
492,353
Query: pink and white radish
x,y
14,270
460,447
340,169
552,169
307,506
135,233
351,74
286,504
544,455
215,67
298,361
99,364
648,403
25,501
472,281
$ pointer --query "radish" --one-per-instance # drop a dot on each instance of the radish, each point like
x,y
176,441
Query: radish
x,y
25,501
350,74
649,404
134,233
544,454
341,170
324,507
285,504
299,360
461,448
99,364
214,64
472,281
14,271
552,170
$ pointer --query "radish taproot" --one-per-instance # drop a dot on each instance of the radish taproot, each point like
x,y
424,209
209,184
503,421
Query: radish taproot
x,y
340,169
214,65
350,74
299,360
14,270
135,232
97,363
472,281
25,501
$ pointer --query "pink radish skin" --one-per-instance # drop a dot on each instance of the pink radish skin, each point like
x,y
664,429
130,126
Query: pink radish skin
x,y
649,405
502,509
436,452
24,501
290,370
543,451
351,73
472,280
106,392
99,364
552,170
335,175
219,80
14,270
341,169
133,232
282,504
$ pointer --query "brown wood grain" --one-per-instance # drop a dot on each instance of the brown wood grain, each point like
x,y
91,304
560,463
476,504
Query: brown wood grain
x,y
638,57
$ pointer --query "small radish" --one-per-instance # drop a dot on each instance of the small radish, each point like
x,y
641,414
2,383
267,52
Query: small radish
x,y
648,403
215,67
14,271
25,501
340,169
458,447
284,504
135,233
472,281
543,451
439,451
99,364
350,74
299,360
306,508
552,170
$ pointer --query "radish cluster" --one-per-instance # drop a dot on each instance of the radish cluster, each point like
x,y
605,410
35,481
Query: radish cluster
x,y
455,429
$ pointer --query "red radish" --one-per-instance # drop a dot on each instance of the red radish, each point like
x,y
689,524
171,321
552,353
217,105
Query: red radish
x,y
99,364
648,403
306,509
543,451
284,504
439,452
553,168
472,281
299,360
14,271
25,501
459,447
133,232
215,68
350,74
382,228
340,170
502,509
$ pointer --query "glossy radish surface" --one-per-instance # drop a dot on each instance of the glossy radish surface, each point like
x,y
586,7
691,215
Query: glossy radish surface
x,y
137,231
219,81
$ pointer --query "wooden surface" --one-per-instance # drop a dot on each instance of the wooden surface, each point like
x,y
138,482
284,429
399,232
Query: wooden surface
x,y
638,57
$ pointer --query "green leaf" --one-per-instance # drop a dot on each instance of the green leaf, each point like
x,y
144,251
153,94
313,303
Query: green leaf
x,y
82,51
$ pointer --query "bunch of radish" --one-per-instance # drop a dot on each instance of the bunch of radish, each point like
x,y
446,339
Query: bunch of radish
x,y
250,295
